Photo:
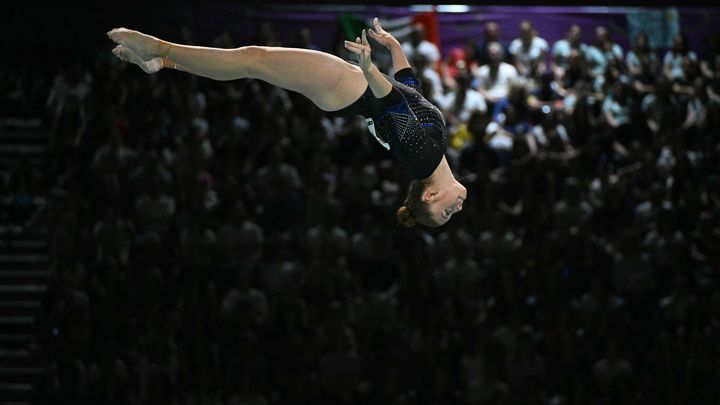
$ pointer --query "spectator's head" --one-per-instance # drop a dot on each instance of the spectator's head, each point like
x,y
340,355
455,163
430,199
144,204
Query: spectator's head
x,y
431,204
477,122
265,35
492,31
574,34
612,71
495,53
601,34
457,60
646,64
527,32
641,44
418,34
680,44
517,93
305,38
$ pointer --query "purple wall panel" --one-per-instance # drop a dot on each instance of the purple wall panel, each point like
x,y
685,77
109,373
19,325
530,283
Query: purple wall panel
x,y
455,28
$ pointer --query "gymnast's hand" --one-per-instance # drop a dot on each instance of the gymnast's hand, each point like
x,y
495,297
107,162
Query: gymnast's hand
x,y
383,37
361,48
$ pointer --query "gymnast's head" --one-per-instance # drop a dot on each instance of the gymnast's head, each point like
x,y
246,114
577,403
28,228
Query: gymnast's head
x,y
431,204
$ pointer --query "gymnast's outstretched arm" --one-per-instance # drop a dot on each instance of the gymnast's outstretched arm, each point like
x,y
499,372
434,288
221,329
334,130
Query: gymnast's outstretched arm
x,y
379,85
386,39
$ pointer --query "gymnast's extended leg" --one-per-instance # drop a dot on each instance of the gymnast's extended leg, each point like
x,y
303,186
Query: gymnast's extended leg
x,y
327,80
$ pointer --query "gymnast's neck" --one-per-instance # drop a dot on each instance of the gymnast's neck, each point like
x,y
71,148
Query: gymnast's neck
x,y
442,174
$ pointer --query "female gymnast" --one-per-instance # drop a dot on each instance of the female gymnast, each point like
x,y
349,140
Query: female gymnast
x,y
398,115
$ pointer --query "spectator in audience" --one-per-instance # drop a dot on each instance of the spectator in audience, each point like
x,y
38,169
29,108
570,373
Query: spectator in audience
x,y
641,53
424,71
494,78
674,59
602,52
419,44
616,109
547,93
552,137
644,80
529,51
576,74
507,130
683,85
604,84
491,33
305,39
458,61
699,106
662,109
561,50
459,103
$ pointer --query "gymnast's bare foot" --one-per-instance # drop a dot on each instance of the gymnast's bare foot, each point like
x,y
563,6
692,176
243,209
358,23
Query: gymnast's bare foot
x,y
146,47
126,54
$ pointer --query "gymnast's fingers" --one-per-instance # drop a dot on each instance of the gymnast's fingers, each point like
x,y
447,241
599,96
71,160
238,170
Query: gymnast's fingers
x,y
364,38
351,47
376,24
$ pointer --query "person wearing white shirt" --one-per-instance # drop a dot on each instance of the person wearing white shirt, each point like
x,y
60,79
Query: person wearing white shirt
x,y
529,51
463,100
562,49
419,44
675,57
493,79
600,54
423,70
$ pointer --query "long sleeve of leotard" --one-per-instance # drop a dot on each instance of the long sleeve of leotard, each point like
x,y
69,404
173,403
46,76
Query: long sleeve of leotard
x,y
407,77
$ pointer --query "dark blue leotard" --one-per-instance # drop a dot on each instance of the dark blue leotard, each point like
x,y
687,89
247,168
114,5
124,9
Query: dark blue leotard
x,y
404,122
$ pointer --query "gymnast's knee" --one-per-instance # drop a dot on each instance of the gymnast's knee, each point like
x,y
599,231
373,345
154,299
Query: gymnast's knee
x,y
251,60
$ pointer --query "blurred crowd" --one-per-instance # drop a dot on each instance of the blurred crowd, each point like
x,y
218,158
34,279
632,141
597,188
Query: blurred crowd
x,y
228,243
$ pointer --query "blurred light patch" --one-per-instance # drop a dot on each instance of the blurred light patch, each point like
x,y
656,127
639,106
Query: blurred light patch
x,y
442,8
453,8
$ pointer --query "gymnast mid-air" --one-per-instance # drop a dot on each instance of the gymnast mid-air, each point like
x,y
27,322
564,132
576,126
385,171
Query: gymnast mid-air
x,y
396,112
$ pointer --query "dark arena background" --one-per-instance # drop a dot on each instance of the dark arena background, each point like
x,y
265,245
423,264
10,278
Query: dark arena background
x,y
169,239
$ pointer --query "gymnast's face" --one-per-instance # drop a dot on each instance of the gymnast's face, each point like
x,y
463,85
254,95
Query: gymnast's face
x,y
445,202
